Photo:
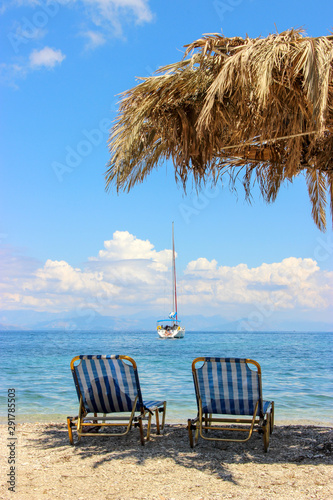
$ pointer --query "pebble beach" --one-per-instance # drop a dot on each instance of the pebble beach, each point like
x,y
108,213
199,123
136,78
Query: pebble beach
x,y
298,465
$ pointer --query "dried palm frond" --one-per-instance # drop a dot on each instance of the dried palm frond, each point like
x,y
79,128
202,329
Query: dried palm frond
x,y
252,108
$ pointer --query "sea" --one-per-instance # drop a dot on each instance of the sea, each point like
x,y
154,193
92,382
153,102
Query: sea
x,y
297,369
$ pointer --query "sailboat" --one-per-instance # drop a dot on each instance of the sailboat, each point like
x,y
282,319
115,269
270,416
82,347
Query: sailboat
x,y
170,328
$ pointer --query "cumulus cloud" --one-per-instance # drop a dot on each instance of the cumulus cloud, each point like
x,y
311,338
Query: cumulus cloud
x,y
294,282
129,274
125,246
46,57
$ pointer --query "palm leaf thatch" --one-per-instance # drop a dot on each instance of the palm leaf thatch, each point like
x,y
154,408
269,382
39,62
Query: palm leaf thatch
x,y
256,110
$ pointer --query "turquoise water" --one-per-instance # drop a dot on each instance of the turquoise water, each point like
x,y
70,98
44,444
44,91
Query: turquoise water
x,y
297,369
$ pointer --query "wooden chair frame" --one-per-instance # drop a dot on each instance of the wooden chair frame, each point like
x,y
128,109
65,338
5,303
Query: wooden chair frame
x,y
98,421
204,422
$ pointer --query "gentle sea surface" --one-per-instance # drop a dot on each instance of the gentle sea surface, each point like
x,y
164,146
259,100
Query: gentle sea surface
x,y
297,369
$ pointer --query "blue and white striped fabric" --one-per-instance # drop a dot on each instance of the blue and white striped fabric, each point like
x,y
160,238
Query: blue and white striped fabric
x,y
228,386
107,384
150,405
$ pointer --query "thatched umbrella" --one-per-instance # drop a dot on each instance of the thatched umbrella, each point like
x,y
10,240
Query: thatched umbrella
x,y
251,109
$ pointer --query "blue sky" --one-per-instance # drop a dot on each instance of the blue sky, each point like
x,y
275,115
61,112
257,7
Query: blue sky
x,y
67,245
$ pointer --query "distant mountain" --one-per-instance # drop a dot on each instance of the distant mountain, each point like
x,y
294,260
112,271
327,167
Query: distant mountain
x,y
303,326
209,323
10,328
91,320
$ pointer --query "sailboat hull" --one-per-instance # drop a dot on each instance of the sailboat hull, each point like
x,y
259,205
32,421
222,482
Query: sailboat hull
x,y
176,332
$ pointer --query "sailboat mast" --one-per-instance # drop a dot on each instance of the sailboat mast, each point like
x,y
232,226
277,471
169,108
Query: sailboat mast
x,y
174,272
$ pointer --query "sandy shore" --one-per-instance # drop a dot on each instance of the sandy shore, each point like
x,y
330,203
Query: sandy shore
x,y
298,465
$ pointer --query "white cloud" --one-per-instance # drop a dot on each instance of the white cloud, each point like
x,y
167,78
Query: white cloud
x,y
94,39
128,271
294,282
110,15
110,9
125,246
129,274
46,57
101,19
60,277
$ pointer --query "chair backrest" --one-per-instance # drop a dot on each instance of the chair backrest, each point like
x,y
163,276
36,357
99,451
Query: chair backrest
x,y
106,383
228,385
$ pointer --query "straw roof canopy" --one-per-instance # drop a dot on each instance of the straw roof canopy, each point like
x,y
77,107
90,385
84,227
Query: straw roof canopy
x,y
252,110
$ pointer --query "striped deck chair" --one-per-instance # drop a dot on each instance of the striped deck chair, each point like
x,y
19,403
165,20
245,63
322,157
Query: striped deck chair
x,y
229,387
108,387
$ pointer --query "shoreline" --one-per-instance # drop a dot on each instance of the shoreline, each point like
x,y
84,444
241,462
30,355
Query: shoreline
x,y
56,418
298,465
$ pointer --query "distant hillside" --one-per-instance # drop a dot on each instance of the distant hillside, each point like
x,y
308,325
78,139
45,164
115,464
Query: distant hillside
x,y
91,320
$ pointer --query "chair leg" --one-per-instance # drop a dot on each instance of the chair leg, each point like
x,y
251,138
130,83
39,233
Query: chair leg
x,y
70,431
139,424
142,438
193,425
80,417
148,426
157,421
272,419
196,439
206,422
266,429
163,417
190,434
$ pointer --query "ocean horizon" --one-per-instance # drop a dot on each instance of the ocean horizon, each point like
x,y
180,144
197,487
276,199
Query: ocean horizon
x,y
296,369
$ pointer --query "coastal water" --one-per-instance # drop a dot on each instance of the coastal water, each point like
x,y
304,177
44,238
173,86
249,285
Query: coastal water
x,y
297,369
